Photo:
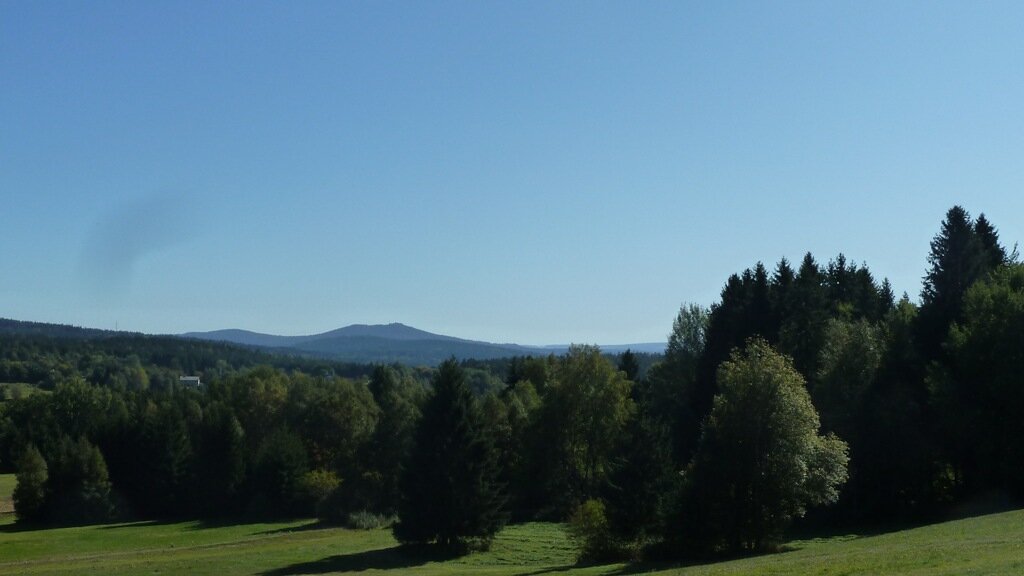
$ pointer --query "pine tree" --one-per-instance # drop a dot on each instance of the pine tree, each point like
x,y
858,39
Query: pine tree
x,y
803,331
781,284
450,493
957,260
759,312
629,364
995,254
886,299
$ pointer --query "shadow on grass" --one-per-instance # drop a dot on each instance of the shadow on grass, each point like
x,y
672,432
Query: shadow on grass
x,y
314,525
199,524
406,556
550,570
128,524
624,570
649,566
33,526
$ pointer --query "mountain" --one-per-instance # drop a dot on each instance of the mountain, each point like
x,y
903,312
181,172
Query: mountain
x,y
358,343
394,343
246,338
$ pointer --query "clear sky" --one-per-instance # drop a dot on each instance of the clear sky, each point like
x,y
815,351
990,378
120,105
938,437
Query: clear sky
x,y
532,172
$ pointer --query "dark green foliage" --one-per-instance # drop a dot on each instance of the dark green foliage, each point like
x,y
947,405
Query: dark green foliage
x,y
979,395
585,409
31,491
79,485
958,258
334,417
374,487
667,397
164,465
279,467
511,424
893,463
629,365
450,494
802,333
220,459
993,252
639,488
849,362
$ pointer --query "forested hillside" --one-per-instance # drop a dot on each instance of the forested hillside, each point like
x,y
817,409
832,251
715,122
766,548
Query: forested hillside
x,y
807,386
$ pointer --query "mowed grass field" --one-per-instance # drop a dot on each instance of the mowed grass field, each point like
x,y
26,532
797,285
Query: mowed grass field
x,y
991,544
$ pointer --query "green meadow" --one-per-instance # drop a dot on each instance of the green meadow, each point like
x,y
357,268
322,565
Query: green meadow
x,y
992,544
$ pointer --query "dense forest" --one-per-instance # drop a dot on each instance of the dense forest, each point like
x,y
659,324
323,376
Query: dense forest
x,y
804,386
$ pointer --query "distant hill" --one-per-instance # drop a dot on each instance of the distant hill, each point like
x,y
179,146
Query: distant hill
x,y
394,343
358,343
21,328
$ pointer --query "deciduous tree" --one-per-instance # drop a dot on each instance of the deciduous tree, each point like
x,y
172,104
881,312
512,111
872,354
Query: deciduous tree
x,y
761,461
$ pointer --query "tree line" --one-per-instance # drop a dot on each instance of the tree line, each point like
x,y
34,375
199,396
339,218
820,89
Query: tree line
x,y
802,386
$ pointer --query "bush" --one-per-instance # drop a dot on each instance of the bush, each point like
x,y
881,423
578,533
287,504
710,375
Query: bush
x,y
366,520
589,529
316,486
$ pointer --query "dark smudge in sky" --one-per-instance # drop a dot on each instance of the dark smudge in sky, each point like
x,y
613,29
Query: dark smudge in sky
x,y
125,235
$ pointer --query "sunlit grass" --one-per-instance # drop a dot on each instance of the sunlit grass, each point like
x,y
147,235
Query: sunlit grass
x,y
985,545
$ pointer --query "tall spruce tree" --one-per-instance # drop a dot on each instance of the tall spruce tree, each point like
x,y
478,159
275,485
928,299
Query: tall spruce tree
x,y
957,261
450,491
782,283
803,331
995,255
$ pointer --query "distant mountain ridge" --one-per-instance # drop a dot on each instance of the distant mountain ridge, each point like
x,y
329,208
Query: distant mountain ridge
x,y
358,343
394,342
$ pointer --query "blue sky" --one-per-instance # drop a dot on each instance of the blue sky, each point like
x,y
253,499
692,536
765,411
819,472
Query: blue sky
x,y
536,172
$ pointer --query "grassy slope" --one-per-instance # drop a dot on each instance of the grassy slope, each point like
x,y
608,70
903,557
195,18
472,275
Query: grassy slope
x,y
984,545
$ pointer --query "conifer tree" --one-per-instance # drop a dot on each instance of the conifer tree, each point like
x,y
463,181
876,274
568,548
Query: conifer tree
x,y
957,261
759,313
995,254
803,332
450,492
781,284
629,364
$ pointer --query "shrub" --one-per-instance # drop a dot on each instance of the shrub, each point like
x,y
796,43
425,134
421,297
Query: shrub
x,y
315,486
589,529
366,520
